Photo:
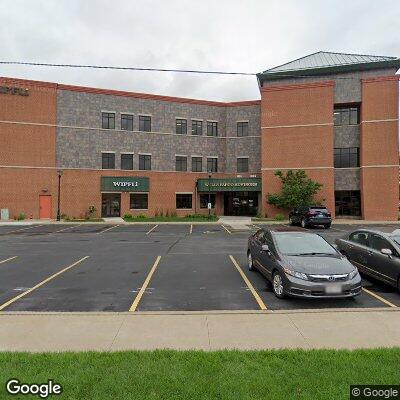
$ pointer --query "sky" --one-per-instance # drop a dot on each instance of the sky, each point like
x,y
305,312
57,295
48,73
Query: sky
x,y
224,35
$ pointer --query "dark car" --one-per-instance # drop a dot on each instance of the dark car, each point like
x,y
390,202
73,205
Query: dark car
x,y
375,253
301,264
310,216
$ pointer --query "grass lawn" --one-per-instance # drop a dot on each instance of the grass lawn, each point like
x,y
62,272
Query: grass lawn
x,y
189,218
283,374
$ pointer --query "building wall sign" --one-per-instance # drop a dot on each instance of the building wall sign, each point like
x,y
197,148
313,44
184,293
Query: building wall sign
x,y
124,184
14,90
230,185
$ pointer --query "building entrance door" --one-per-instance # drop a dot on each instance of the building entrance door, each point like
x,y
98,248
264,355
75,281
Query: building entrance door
x,y
241,203
45,206
111,205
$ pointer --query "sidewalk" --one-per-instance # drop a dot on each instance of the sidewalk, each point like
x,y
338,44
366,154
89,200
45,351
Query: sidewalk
x,y
339,329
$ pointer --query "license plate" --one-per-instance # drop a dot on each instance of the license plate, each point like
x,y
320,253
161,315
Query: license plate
x,y
333,289
320,216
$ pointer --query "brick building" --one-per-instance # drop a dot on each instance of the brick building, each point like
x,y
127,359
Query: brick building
x,y
334,115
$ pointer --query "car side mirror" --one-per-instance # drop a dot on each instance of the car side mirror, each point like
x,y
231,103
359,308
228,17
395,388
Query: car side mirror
x,y
388,252
265,248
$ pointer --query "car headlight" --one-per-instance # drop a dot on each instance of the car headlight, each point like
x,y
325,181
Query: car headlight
x,y
296,274
353,274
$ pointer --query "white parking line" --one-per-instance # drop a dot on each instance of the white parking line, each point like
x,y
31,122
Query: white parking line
x,y
8,259
227,229
23,229
107,229
191,229
69,227
152,229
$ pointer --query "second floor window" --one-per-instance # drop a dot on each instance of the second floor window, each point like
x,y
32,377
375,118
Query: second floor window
x,y
242,164
108,160
346,157
144,162
126,122
197,127
346,116
181,163
144,123
242,129
126,161
197,164
212,128
212,164
181,126
108,120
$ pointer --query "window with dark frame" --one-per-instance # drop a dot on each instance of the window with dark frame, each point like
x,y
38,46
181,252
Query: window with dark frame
x,y
204,200
181,163
212,164
212,128
108,160
108,120
242,164
184,200
139,201
346,157
144,123
242,129
145,162
346,115
181,126
126,161
197,127
126,122
197,164
348,202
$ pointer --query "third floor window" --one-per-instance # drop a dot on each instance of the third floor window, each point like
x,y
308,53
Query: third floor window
x,y
144,123
127,122
346,116
243,129
197,127
212,128
108,120
346,157
181,126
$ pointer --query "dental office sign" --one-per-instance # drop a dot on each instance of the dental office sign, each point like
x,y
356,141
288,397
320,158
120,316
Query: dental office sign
x,y
124,184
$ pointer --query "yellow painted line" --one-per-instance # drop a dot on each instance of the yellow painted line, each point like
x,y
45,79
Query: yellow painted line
x,y
8,259
144,286
3,306
379,298
152,229
69,227
107,229
248,283
227,229
191,229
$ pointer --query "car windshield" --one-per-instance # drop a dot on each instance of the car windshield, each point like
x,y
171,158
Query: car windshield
x,y
302,244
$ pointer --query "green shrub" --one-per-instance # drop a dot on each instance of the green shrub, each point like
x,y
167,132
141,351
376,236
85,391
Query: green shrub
x,y
127,216
21,216
279,217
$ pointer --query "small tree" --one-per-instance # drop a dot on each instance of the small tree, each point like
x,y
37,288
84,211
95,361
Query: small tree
x,y
297,190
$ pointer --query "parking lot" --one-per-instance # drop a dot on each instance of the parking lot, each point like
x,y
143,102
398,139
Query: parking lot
x,y
150,267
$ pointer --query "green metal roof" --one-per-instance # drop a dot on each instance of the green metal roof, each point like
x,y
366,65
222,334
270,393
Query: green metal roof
x,y
324,62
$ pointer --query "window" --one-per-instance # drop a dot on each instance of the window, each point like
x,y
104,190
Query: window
x,y
348,202
181,163
242,164
242,129
346,158
139,201
197,164
108,120
212,128
204,200
126,122
346,116
212,164
108,160
181,126
184,200
126,161
197,127
378,243
144,162
144,123
360,238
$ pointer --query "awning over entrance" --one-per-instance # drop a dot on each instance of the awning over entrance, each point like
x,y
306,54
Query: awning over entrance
x,y
229,185
124,184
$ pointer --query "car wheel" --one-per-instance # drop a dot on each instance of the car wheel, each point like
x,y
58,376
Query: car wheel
x,y
327,226
303,223
250,264
277,285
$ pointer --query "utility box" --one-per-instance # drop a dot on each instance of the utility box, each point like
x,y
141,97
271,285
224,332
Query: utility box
x,y
4,214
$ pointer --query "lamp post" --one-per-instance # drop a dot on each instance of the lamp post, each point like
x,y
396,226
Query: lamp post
x,y
59,172
209,194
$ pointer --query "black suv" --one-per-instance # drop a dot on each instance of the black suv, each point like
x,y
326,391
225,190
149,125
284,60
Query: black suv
x,y
310,216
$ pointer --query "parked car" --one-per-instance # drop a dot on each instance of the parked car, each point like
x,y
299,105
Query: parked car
x,y
301,264
310,216
375,253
